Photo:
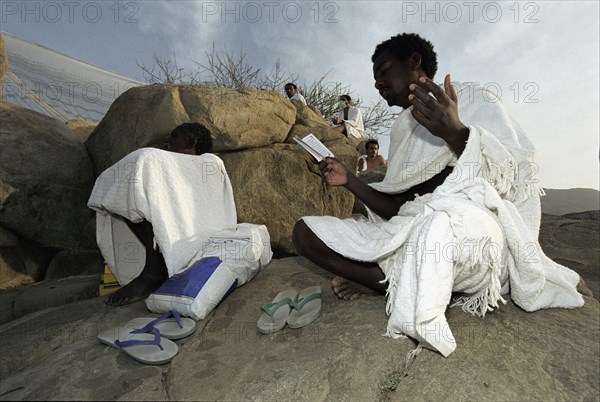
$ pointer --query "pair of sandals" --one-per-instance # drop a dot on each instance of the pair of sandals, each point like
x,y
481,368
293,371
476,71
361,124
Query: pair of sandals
x,y
149,340
296,309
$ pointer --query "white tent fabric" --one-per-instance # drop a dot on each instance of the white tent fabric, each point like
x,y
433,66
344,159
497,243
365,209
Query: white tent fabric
x,y
58,85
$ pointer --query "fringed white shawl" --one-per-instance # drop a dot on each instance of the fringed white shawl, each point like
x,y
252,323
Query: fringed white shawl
x,y
476,234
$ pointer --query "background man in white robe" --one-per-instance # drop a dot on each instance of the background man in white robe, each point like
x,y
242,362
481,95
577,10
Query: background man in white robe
x,y
348,120
291,90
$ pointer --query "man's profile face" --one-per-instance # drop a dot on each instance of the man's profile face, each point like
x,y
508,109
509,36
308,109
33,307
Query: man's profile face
x,y
290,91
392,78
372,150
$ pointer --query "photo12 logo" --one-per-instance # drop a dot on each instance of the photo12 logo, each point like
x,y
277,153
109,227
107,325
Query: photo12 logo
x,y
269,11
69,11
517,92
470,11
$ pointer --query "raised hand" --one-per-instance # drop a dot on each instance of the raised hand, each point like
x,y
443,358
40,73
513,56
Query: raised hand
x,y
439,113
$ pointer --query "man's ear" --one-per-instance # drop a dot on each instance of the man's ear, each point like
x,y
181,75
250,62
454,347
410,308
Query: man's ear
x,y
415,61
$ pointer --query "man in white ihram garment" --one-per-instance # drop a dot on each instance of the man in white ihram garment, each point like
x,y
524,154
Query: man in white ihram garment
x,y
348,119
291,90
456,217
170,200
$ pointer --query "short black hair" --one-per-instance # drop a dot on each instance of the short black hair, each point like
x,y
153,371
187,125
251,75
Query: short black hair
x,y
290,84
196,131
347,97
404,45
371,141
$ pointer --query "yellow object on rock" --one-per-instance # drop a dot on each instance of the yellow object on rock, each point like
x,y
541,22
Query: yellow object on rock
x,y
108,282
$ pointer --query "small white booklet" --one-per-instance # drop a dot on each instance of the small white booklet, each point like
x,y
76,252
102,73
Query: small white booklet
x,y
313,146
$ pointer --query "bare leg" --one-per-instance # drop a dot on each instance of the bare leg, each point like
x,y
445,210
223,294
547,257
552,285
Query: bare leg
x,y
355,278
153,275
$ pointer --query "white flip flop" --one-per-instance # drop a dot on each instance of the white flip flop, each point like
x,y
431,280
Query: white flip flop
x,y
306,308
276,313
147,348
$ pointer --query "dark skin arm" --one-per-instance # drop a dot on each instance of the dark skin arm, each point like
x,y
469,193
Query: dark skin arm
x,y
385,205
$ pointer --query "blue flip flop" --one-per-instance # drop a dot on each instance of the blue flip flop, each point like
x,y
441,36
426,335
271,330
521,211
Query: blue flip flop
x,y
171,325
147,348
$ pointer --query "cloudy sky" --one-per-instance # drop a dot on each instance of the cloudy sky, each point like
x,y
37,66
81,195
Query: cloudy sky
x,y
540,56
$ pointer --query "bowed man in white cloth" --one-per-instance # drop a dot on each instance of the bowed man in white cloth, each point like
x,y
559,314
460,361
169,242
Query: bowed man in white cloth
x,y
170,199
456,218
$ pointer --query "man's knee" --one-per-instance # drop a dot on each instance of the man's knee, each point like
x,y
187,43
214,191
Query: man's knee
x,y
481,224
488,241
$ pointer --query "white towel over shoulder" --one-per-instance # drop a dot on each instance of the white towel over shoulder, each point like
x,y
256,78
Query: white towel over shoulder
x,y
184,197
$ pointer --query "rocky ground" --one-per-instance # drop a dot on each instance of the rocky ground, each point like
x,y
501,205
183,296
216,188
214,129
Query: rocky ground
x,y
53,354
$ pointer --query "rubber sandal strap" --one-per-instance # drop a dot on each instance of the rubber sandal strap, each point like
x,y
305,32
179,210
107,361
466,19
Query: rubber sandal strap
x,y
136,342
171,314
271,308
298,304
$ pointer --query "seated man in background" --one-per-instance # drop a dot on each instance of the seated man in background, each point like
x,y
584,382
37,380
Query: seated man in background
x,y
168,200
372,159
291,90
348,120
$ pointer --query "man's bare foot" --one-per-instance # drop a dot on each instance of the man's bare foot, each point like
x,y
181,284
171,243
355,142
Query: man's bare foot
x,y
138,289
347,290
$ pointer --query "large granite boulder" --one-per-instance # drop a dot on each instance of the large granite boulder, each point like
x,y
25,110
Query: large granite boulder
x,y
144,116
21,262
308,115
46,177
323,133
279,184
